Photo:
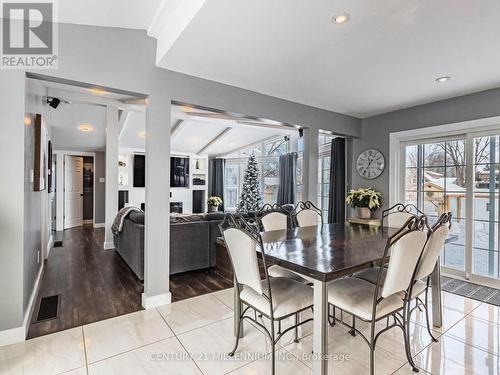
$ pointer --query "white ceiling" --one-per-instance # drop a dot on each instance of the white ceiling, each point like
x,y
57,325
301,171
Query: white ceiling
x,y
385,58
65,120
132,14
80,106
133,133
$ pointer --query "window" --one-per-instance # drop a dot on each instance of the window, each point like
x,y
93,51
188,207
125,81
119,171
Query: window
x,y
435,181
324,152
268,158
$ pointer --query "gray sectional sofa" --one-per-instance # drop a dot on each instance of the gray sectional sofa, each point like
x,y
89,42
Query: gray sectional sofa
x,y
192,241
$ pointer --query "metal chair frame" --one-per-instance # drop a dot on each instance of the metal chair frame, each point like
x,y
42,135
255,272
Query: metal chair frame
x,y
400,316
238,222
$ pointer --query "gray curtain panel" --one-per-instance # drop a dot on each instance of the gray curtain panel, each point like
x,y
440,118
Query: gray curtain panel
x,y
336,204
216,179
288,179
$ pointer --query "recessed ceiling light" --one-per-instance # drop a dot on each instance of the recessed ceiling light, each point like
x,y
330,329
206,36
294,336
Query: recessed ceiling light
x,y
443,79
97,91
340,18
27,120
86,128
142,135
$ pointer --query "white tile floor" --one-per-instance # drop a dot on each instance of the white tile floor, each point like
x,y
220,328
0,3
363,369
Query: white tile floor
x,y
158,341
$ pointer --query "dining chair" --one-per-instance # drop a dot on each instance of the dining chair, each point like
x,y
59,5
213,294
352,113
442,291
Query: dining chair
x,y
307,214
275,217
374,302
275,298
435,244
397,215
394,217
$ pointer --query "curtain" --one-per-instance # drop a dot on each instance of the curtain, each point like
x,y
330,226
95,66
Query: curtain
x,y
216,179
336,204
287,179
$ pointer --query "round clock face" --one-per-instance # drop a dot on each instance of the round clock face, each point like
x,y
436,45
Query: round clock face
x,y
370,164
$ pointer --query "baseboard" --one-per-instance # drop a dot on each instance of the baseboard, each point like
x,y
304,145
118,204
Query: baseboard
x,y
12,336
109,245
155,301
31,303
89,221
18,334
50,244
99,225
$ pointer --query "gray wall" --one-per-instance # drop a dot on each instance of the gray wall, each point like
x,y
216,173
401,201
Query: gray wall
x,y
12,89
100,187
124,59
375,130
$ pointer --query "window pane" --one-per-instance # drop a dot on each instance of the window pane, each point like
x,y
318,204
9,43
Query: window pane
x,y
411,156
411,179
433,203
434,154
455,152
485,263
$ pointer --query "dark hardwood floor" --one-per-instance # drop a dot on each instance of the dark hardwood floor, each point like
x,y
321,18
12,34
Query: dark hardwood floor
x,y
96,284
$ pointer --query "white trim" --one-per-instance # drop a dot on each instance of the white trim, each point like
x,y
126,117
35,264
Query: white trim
x,y
12,336
50,244
155,301
99,225
88,221
18,334
31,303
109,245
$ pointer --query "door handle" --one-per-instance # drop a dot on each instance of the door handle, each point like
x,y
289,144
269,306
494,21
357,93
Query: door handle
x,y
81,195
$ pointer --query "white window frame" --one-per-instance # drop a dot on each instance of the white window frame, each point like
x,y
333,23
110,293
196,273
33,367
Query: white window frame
x,y
466,129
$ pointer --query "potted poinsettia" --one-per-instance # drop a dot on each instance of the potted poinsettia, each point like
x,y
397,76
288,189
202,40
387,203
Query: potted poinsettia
x,y
365,200
213,203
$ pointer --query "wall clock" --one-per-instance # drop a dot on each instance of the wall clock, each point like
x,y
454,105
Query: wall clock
x,y
370,164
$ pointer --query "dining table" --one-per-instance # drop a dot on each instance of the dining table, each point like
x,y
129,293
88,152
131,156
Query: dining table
x,y
328,252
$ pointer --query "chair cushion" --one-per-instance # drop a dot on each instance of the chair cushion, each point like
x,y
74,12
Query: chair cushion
x,y
289,296
371,275
355,296
278,271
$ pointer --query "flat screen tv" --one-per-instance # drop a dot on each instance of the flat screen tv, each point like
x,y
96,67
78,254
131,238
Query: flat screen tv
x,y
139,170
179,172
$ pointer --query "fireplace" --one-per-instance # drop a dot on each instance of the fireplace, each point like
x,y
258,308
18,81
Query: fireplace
x,y
176,207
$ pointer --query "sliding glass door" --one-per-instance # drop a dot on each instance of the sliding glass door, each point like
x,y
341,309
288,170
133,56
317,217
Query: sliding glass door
x,y
460,175
486,209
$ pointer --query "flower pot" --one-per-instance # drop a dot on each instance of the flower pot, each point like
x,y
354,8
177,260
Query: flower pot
x,y
364,213
213,208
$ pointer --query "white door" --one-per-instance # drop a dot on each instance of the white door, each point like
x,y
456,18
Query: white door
x,y
73,191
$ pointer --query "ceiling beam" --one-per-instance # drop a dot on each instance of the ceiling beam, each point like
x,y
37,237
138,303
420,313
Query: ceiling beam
x,y
253,144
174,131
215,139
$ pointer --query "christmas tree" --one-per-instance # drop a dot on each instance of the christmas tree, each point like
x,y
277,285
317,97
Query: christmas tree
x,y
251,195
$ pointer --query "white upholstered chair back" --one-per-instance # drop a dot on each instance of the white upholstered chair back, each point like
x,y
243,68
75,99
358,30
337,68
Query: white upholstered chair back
x,y
434,246
274,221
308,218
397,219
242,249
405,253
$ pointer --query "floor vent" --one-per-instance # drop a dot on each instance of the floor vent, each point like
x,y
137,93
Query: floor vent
x,y
49,308
57,243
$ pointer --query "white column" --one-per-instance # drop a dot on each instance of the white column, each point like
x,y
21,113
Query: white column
x,y
157,218
112,136
310,165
